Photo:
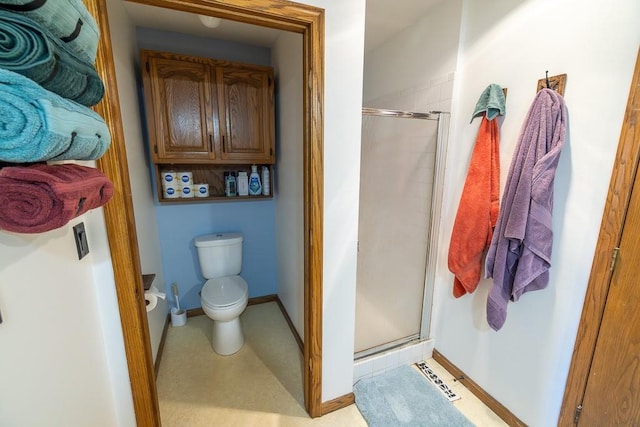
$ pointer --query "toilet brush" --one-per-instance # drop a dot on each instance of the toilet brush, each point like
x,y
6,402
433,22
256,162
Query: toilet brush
x,y
178,316
174,287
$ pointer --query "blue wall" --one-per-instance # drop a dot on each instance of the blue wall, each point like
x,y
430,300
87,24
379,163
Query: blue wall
x,y
180,223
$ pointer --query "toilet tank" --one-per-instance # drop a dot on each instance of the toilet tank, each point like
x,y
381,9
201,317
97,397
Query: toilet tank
x,y
219,254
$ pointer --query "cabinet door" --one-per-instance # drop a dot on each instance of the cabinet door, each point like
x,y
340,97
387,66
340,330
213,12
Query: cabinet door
x,y
245,107
182,107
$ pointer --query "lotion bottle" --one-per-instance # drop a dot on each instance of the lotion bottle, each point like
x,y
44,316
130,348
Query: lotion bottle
x,y
255,188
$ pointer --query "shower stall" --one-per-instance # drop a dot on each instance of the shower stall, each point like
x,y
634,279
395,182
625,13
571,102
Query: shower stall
x,y
402,166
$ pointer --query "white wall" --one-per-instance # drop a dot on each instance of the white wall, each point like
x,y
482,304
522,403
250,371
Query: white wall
x,y
525,364
422,56
344,45
62,360
126,54
288,177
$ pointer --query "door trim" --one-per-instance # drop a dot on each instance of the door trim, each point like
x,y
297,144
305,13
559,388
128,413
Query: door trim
x,y
123,240
624,173
119,215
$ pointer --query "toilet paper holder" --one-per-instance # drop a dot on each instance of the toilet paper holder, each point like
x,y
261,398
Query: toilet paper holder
x,y
151,298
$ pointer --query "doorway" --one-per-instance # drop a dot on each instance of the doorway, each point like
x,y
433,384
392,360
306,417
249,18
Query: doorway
x,y
605,356
283,15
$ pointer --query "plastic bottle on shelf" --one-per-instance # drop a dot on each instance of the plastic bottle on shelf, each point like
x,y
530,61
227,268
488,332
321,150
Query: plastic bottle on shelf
x,y
243,184
255,188
230,184
227,189
233,188
266,183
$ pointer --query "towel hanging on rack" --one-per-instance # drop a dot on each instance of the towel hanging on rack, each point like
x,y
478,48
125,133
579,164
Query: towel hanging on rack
x,y
491,103
477,211
519,257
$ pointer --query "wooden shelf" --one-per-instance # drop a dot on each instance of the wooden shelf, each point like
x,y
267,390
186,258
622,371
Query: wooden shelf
x,y
212,174
213,199
147,280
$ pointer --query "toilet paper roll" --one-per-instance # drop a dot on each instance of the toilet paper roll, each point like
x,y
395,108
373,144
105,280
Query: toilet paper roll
x,y
171,191
169,178
185,178
151,301
186,191
151,297
201,190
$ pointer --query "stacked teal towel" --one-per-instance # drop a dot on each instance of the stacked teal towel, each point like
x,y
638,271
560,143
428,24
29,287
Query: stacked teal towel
x,y
67,20
38,125
31,50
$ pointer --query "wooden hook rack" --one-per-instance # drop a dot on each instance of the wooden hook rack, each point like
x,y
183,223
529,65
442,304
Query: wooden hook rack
x,y
556,83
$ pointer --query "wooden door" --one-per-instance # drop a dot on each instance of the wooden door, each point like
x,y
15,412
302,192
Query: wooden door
x,y
603,385
181,97
246,114
612,396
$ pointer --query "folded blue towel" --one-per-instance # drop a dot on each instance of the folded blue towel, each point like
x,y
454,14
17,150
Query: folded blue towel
x,y
67,20
29,49
38,125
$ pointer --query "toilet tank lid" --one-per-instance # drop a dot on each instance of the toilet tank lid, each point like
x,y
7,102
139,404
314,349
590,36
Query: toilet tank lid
x,y
218,239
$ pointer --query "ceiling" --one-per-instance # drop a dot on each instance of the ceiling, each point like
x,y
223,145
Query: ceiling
x,y
384,19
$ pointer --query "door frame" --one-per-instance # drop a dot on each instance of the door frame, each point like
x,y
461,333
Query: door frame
x,y
279,14
624,173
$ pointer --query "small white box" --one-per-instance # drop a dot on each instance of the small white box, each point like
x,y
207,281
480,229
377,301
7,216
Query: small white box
x,y
201,190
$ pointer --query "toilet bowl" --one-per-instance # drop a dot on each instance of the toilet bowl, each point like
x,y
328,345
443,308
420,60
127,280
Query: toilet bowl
x,y
223,300
225,294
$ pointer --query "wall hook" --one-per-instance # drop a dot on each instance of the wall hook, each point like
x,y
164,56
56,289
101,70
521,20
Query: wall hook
x,y
556,83
547,78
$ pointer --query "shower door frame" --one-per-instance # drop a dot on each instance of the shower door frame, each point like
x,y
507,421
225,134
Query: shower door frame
x,y
442,122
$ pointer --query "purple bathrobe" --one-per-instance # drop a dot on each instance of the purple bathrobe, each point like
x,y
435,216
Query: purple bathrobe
x,y
520,253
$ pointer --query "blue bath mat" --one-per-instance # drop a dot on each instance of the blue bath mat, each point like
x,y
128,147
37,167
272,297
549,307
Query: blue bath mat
x,y
404,397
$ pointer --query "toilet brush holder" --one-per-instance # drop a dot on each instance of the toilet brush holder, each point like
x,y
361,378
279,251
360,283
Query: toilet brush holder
x,y
178,317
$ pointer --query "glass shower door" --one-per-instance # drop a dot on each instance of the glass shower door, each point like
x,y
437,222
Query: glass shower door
x,y
396,180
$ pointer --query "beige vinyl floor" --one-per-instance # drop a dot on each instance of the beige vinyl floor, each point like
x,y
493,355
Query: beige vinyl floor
x,y
261,385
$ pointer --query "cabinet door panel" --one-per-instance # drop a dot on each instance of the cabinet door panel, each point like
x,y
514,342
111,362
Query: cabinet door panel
x,y
246,114
182,105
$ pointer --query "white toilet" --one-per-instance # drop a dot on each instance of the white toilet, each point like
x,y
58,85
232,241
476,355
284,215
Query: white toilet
x,y
225,294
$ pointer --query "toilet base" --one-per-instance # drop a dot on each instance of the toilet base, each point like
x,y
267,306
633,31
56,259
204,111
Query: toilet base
x,y
227,337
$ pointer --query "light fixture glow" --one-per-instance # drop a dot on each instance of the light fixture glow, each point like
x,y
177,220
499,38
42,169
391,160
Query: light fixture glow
x,y
209,21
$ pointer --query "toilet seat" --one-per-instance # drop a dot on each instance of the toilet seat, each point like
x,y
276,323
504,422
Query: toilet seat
x,y
224,291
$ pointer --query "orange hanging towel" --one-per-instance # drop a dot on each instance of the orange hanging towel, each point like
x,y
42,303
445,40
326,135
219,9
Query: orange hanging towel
x,y
478,210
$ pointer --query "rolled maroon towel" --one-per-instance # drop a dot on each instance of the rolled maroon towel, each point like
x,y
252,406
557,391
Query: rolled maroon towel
x,y
39,198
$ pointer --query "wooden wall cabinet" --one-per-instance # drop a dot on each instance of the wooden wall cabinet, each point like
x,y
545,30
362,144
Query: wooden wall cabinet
x,y
245,112
179,100
207,115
